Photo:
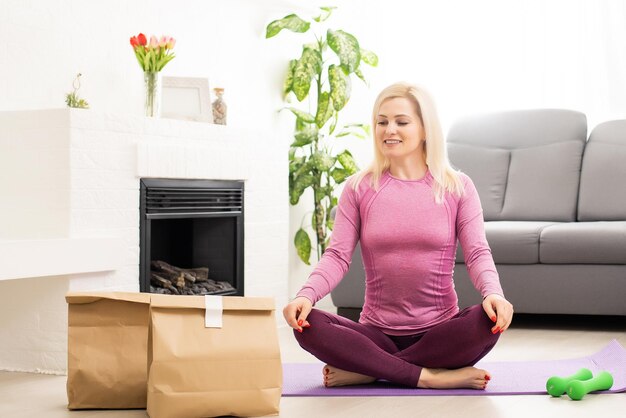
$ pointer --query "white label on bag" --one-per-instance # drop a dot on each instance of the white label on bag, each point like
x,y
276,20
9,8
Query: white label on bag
x,y
214,308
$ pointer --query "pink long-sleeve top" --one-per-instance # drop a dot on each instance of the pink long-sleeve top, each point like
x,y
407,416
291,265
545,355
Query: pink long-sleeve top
x,y
408,245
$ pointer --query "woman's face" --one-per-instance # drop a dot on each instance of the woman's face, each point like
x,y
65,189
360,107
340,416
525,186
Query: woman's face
x,y
399,131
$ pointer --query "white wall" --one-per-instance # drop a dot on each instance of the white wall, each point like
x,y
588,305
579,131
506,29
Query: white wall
x,y
33,329
45,43
474,56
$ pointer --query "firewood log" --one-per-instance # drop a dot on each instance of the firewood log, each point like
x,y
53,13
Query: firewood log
x,y
163,266
180,282
201,273
159,281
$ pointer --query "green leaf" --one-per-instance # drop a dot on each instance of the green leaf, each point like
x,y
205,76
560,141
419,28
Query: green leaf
x,y
347,161
347,49
325,15
291,22
309,64
306,136
340,87
292,154
334,124
140,55
320,194
301,115
303,245
359,130
146,62
304,168
164,60
322,161
369,57
339,175
365,127
287,85
324,109
300,184
295,164
361,76
300,125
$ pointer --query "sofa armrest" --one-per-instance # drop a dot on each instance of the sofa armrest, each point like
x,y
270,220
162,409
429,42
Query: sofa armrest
x,y
350,292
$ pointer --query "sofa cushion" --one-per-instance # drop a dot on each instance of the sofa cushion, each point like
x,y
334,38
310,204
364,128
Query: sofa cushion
x,y
489,169
512,242
543,183
584,243
545,148
602,187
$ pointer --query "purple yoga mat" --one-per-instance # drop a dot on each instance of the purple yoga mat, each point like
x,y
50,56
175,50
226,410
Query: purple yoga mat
x,y
507,378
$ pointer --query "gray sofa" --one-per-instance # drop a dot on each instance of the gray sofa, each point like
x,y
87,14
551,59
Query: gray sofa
x,y
554,204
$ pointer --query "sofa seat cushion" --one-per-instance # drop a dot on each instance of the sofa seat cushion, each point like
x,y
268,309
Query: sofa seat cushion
x,y
512,242
584,243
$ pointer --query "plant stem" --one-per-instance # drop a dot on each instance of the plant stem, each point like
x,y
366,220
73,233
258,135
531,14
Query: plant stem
x,y
320,210
319,226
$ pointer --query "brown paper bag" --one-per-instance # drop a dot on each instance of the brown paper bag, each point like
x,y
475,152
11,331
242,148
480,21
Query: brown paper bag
x,y
204,372
107,350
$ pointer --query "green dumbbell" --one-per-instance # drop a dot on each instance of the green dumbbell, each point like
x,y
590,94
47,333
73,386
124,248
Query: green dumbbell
x,y
557,386
577,389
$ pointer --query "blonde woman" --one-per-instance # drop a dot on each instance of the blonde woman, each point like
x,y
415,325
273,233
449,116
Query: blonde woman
x,y
407,210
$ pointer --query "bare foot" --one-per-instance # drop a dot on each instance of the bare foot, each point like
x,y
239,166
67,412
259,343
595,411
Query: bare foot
x,y
337,377
467,377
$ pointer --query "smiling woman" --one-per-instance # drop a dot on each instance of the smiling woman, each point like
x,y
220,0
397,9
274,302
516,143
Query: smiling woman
x,y
407,210
399,136
408,113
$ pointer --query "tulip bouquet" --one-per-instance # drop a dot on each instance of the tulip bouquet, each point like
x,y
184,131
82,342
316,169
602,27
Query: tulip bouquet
x,y
152,57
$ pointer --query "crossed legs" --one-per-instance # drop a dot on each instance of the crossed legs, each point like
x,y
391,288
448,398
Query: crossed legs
x,y
441,357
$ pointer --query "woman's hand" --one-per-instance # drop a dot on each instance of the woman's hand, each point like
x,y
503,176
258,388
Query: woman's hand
x,y
499,310
296,311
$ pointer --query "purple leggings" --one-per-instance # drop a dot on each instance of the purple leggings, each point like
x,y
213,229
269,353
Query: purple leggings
x,y
459,342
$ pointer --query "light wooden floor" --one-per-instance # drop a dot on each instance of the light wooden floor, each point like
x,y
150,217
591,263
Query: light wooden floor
x,y
531,338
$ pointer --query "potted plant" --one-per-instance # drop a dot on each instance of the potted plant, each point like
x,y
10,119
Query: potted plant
x,y
323,74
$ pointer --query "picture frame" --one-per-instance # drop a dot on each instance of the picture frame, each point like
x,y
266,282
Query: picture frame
x,y
186,98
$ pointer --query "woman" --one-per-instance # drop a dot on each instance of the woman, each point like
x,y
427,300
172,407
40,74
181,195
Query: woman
x,y
407,209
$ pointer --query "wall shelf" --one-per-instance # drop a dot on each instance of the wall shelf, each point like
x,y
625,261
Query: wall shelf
x,y
56,257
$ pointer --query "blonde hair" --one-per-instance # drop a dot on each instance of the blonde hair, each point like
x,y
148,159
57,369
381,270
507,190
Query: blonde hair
x,y
446,178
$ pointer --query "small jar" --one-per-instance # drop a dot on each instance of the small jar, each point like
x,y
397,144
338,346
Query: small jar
x,y
219,107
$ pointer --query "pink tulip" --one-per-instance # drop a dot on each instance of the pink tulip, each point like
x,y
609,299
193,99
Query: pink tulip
x,y
171,42
154,42
163,41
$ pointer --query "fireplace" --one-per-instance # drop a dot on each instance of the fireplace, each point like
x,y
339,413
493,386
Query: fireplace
x,y
191,236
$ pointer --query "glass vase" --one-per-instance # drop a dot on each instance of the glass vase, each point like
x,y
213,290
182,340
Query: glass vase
x,y
152,83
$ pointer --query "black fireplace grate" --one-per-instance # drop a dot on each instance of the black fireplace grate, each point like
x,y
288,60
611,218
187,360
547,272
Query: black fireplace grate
x,y
193,200
192,223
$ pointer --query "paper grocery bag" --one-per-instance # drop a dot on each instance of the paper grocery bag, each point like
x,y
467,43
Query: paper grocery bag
x,y
107,350
231,367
